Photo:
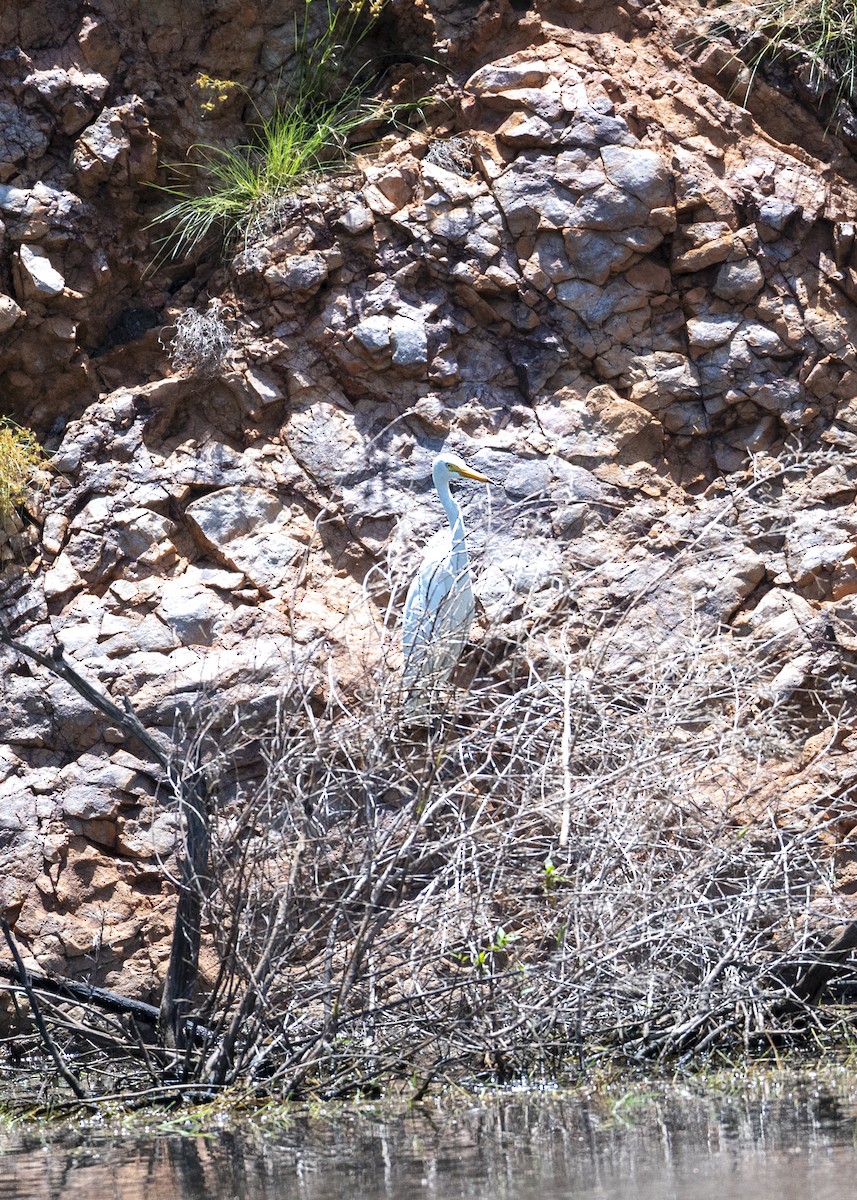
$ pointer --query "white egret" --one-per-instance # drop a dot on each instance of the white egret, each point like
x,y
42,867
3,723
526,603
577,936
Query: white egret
x,y
439,607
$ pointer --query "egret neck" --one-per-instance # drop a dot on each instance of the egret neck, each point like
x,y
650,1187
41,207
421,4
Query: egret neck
x,y
459,559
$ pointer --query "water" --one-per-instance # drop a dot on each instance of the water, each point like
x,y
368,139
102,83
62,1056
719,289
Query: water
x,y
794,1145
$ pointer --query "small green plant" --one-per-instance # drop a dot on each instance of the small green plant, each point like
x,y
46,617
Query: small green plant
x,y
307,133
551,877
496,954
20,456
503,941
247,181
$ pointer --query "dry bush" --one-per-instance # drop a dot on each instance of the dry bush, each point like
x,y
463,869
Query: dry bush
x,y
581,856
453,153
201,342
555,870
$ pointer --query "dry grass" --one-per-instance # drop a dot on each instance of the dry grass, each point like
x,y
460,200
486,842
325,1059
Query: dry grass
x,y
201,342
453,154
816,41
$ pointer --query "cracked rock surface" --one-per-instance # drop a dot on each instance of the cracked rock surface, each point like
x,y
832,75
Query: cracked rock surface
x,y
626,298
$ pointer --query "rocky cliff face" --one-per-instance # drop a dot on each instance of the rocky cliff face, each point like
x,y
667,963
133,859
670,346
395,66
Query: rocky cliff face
x,y
597,275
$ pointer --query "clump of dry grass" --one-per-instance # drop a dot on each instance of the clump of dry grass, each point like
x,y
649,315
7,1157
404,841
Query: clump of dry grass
x,y
815,39
201,342
453,153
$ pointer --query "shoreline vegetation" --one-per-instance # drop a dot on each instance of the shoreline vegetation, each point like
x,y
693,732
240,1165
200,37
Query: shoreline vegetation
x,y
616,1100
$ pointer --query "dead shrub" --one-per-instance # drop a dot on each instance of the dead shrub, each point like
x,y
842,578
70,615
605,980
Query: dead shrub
x,y
201,342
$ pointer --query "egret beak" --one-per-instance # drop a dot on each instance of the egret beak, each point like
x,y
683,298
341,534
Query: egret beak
x,y
469,473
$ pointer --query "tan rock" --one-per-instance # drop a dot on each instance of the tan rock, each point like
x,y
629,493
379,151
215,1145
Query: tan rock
x,y
61,578
393,185
700,257
508,75
99,45
39,279
528,130
586,429
10,313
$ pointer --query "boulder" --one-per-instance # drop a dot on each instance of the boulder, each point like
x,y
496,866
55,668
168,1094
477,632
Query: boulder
x,y
250,530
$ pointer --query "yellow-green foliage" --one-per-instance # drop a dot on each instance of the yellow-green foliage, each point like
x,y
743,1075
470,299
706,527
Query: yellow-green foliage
x,y
20,457
215,92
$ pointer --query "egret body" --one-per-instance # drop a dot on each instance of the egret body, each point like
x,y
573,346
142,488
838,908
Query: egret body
x,y
439,607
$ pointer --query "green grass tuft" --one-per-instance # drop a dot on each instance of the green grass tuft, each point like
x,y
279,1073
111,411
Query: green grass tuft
x,y
243,183
819,35
307,134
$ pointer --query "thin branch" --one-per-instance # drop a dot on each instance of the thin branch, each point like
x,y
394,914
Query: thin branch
x,y
127,720
64,1070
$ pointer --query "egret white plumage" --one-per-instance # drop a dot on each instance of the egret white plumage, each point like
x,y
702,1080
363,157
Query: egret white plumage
x,y
439,607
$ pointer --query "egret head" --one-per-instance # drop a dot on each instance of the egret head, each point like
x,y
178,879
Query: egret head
x,y
449,468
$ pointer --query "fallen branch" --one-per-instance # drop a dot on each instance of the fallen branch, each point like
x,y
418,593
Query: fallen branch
x,y
125,717
85,993
192,796
828,961
75,992
61,1065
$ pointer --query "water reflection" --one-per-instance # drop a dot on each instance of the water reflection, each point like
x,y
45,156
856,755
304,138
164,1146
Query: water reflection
x,y
537,1148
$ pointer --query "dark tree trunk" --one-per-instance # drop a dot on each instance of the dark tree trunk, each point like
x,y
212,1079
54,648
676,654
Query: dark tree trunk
x,y
193,797
184,953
